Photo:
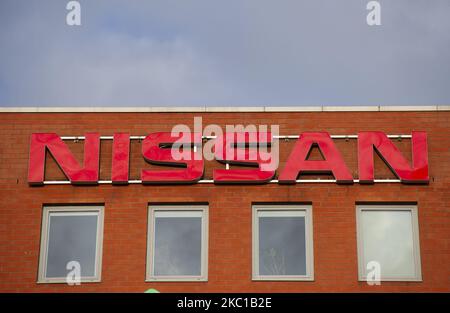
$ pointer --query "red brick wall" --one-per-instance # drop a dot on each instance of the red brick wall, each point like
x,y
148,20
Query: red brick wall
x,y
125,228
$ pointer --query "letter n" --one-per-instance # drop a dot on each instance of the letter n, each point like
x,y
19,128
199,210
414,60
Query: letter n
x,y
391,155
43,142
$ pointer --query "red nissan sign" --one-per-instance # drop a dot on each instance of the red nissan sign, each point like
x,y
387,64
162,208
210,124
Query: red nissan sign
x,y
156,150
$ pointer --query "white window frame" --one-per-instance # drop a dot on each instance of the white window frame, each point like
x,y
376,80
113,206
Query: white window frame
x,y
362,271
280,210
77,210
184,211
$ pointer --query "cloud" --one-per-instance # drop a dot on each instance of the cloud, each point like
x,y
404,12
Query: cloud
x,y
47,64
134,53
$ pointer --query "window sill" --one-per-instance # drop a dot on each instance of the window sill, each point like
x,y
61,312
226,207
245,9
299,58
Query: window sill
x,y
63,281
413,280
177,279
281,278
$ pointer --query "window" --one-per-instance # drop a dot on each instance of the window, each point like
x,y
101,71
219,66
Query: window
x,y
177,243
389,235
282,242
71,233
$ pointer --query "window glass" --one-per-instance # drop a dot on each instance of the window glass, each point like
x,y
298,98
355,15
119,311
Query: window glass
x,y
388,239
282,242
71,238
71,243
177,245
282,249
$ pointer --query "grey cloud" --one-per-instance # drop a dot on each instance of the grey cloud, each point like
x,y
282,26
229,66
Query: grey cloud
x,y
224,53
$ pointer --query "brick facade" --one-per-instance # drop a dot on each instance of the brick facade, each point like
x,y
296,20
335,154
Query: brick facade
x,y
230,215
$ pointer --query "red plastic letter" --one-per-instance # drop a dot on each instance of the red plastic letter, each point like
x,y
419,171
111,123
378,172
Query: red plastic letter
x,y
368,141
333,162
225,153
120,158
41,142
155,154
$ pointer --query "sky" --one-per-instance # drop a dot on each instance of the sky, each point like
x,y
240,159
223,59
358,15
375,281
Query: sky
x,y
224,53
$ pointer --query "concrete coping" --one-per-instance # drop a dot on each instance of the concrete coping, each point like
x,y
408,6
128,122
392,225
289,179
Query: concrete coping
x,y
230,109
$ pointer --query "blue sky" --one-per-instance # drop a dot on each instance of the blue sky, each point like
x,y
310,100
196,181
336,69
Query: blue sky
x,y
224,53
